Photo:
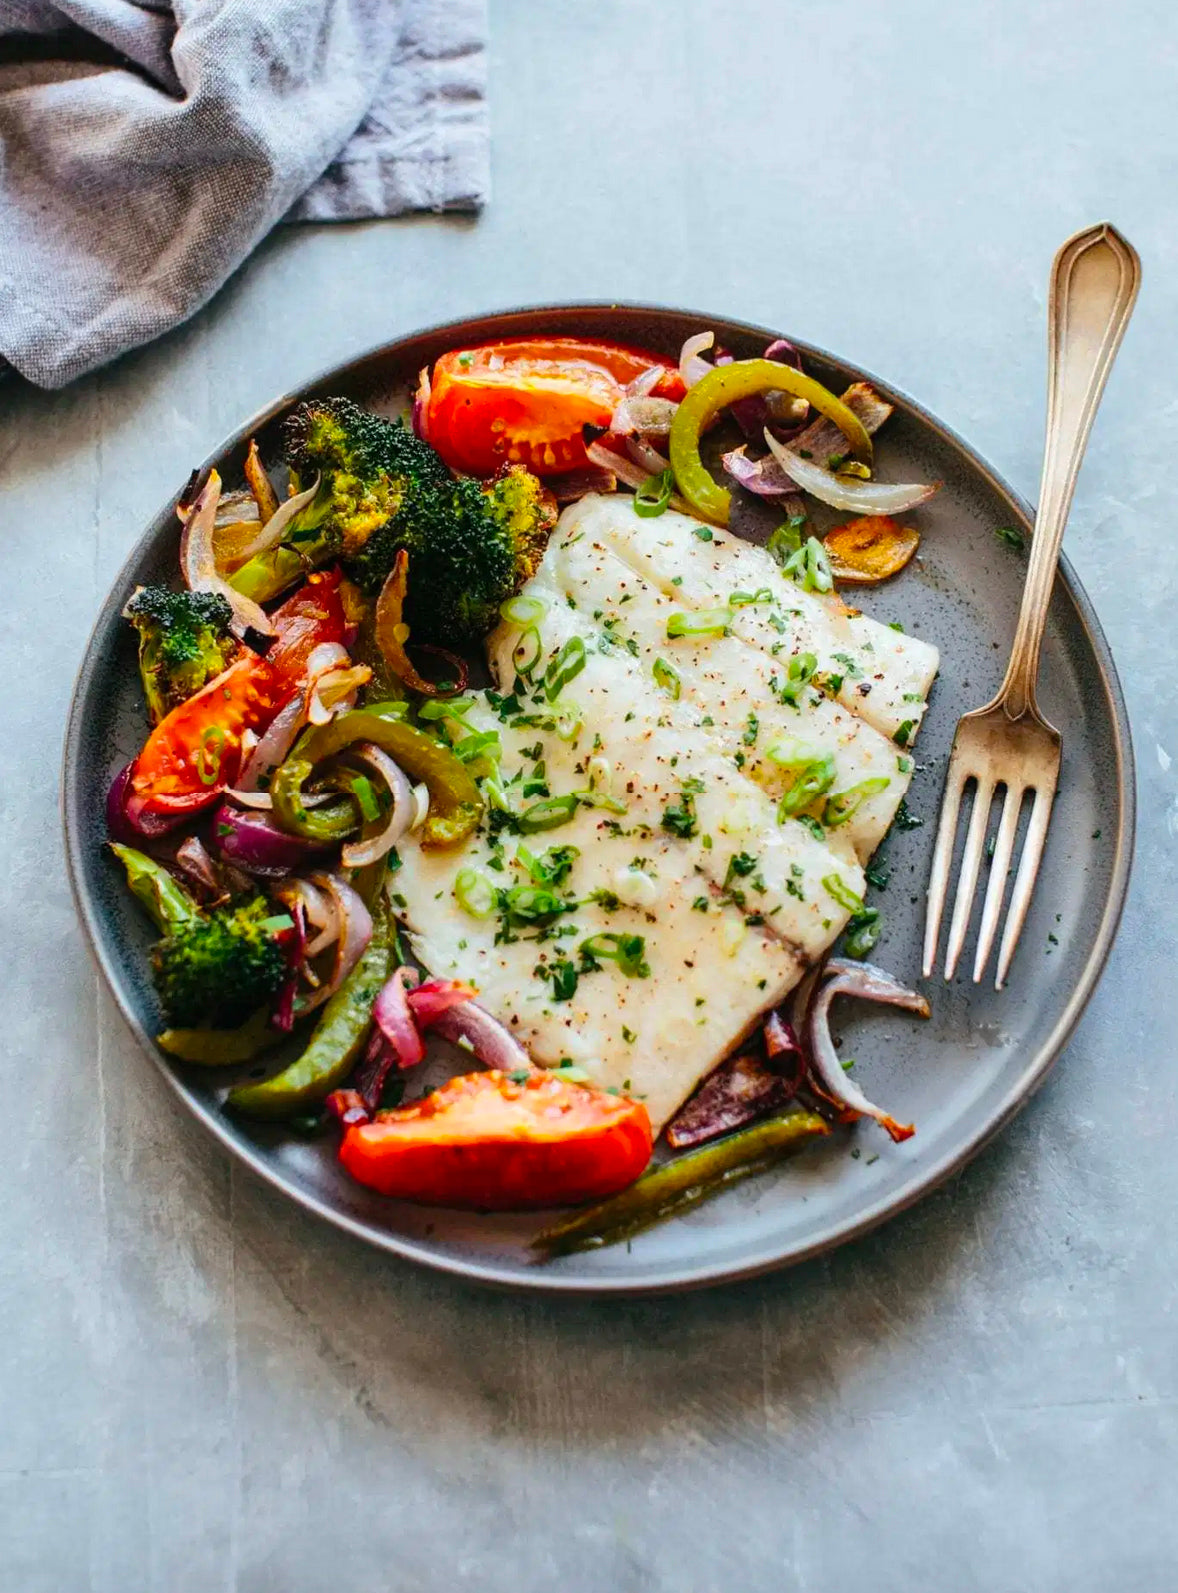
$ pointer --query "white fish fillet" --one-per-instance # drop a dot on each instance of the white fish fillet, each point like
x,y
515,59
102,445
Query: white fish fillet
x,y
688,852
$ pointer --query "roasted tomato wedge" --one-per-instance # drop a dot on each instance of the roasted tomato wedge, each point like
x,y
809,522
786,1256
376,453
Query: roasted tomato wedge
x,y
500,1142
525,401
195,751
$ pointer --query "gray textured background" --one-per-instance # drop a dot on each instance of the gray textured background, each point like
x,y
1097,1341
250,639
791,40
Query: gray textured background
x,y
202,1389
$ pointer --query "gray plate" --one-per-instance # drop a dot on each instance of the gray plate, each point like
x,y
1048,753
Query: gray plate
x,y
959,1077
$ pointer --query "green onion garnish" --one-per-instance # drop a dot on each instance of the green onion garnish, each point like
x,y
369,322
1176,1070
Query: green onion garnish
x,y
835,886
810,772
474,893
844,804
704,622
548,814
628,951
479,744
745,599
810,567
566,666
521,610
863,931
527,652
666,677
654,494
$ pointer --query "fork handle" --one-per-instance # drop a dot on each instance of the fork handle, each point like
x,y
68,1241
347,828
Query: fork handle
x,y
1094,283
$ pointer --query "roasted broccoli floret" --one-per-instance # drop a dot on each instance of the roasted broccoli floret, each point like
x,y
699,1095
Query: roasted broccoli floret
x,y
184,641
470,545
221,967
366,465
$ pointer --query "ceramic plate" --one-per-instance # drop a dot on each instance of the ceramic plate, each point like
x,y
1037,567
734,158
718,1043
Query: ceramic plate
x,y
959,1077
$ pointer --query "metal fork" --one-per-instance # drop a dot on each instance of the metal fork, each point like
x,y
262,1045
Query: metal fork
x,y
1008,744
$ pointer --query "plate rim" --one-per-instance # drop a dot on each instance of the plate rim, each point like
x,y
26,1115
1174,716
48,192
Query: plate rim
x,y
1026,1085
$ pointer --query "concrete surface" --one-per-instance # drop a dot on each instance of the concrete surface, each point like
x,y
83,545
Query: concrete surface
x,y
202,1389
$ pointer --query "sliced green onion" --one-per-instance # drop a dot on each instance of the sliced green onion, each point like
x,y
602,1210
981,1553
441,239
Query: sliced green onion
x,y
787,538
526,654
566,666
799,674
704,622
209,755
521,610
494,794
746,599
836,886
552,867
810,567
628,951
474,893
863,931
439,708
811,774
533,904
845,804
600,799
666,677
653,496
548,815
569,724
479,744
365,798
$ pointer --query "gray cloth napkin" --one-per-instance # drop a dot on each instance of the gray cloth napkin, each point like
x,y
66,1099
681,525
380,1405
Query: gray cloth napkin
x,y
146,148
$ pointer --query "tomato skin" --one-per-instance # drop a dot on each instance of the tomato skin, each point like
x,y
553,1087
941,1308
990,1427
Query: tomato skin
x,y
525,401
484,1141
194,753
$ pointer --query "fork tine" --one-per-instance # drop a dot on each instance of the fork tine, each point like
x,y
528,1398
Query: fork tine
x,y
938,883
1028,869
996,884
967,882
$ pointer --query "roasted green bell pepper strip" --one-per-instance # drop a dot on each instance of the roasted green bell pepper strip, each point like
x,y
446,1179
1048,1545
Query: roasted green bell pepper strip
x,y
455,803
726,385
337,1041
156,890
221,1047
680,1184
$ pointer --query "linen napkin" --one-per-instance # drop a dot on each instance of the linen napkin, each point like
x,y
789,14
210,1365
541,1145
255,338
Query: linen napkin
x,y
146,148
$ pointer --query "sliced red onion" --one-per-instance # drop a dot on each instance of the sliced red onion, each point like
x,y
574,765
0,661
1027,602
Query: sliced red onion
x,y
355,932
393,1018
577,484
250,623
194,862
752,415
436,996
765,476
784,1051
471,1026
358,854
295,945
253,842
644,417
272,749
648,457
862,497
300,894
275,527
348,1106
128,820
871,984
421,405
691,367
646,381
739,1091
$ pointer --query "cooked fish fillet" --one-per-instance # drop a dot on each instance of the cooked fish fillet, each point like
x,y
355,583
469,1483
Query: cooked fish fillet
x,y
852,650
667,804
